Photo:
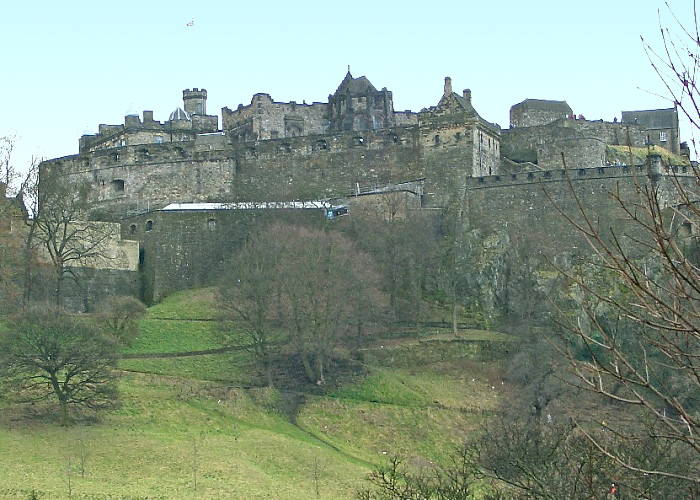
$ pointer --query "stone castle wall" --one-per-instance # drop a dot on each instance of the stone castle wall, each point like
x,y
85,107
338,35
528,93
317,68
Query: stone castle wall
x,y
266,119
531,205
582,142
186,249
134,179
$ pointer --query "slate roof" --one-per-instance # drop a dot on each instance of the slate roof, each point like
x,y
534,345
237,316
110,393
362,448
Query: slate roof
x,y
652,118
355,86
248,205
463,105
544,105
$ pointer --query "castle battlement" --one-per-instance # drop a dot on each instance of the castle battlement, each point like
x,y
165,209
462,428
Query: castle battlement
x,y
577,174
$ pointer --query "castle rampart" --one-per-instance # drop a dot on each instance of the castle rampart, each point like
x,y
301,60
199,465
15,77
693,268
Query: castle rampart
x,y
581,142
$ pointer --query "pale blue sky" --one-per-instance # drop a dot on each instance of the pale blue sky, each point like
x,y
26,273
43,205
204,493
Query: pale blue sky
x,y
68,66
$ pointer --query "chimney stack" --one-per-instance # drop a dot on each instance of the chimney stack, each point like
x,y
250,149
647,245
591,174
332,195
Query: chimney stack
x,y
448,85
467,94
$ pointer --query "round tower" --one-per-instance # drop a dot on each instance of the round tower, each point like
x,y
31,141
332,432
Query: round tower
x,y
195,101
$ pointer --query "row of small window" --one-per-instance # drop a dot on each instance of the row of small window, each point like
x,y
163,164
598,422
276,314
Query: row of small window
x,y
158,139
149,227
211,226
458,137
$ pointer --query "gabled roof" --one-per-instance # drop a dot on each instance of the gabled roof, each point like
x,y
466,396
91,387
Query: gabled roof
x,y
355,86
652,118
458,100
544,105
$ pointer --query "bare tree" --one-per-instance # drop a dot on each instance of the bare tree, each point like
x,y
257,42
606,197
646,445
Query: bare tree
x,y
248,297
675,61
120,316
46,354
60,230
8,171
316,287
636,342
323,279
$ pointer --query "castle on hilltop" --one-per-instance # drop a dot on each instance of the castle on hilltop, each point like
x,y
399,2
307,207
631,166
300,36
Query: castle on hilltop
x,y
179,186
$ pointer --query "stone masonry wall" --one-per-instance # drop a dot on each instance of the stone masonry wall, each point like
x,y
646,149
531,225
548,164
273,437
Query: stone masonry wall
x,y
271,120
134,179
186,249
582,142
528,205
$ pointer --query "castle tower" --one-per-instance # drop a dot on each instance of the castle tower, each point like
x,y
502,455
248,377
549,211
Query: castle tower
x,y
195,101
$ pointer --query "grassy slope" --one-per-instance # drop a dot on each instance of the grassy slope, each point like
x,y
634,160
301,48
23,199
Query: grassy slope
x,y
246,448
622,154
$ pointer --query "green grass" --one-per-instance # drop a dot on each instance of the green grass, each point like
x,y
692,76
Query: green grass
x,y
233,367
188,304
423,394
622,153
156,336
384,387
146,450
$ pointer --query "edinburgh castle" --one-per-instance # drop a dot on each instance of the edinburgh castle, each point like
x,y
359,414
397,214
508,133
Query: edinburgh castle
x,y
187,189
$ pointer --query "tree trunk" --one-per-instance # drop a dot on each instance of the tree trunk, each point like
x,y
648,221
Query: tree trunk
x,y
308,369
28,264
319,369
268,370
61,398
58,292
454,314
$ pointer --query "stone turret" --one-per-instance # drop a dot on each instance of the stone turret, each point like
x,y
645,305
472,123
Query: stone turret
x,y
195,101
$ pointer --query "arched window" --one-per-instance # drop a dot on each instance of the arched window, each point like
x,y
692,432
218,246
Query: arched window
x,y
211,224
149,225
132,229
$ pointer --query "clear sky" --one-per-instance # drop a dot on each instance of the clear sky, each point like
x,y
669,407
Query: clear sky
x,y
69,66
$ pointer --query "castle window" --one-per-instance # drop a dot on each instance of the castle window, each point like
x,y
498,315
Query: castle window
x,y
122,143
149,225
686,228
132,229
118,185
115,156
320,145
158,139
458,136
144,153
436,140
358,141
663,137
211,224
